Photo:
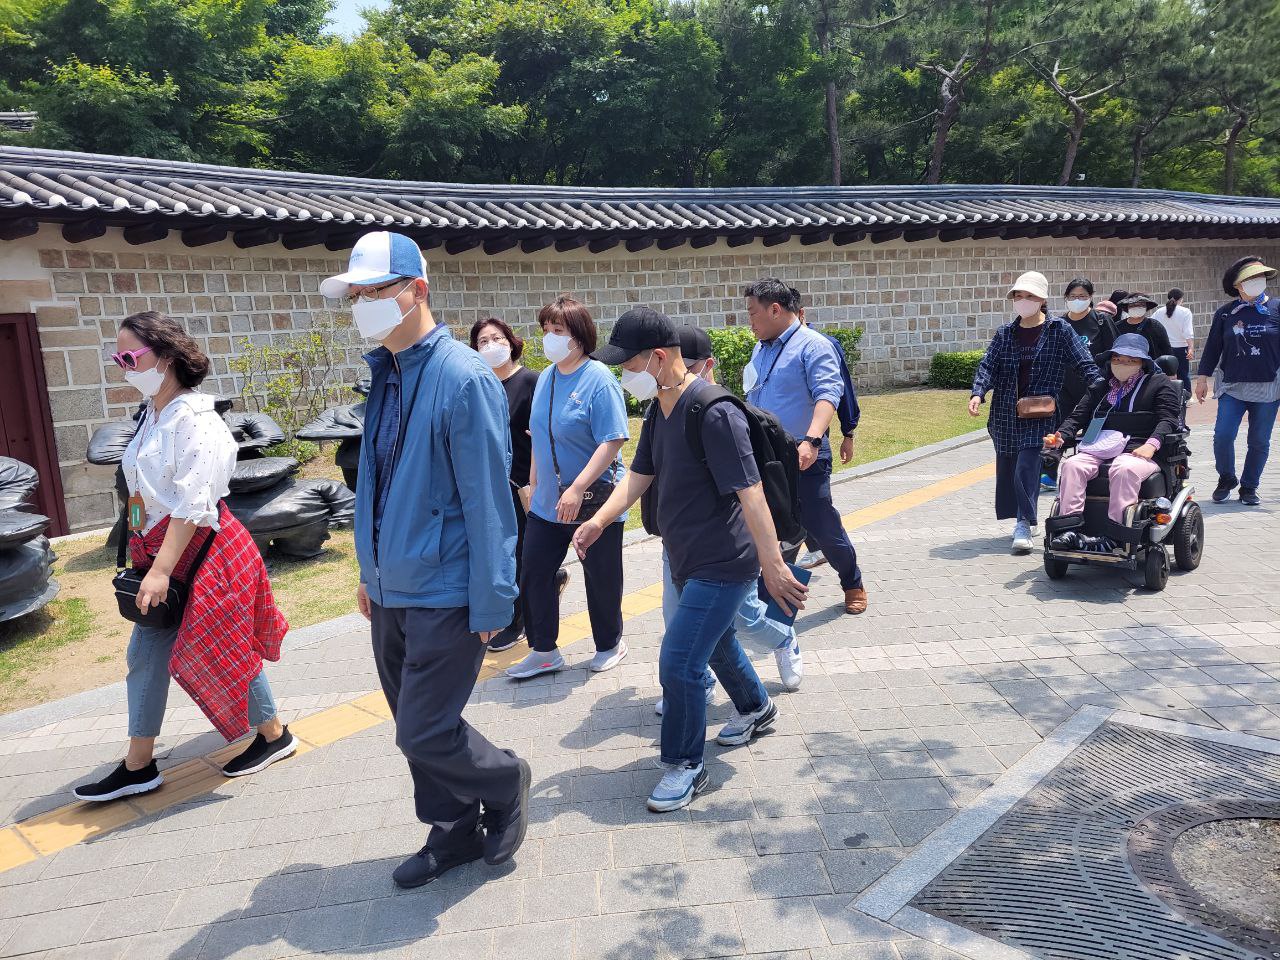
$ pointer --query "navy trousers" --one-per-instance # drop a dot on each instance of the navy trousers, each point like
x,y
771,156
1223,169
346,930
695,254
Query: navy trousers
x,y
819,516
1018,484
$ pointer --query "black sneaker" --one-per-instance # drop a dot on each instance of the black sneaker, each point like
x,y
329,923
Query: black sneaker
x,y
562,580
504,829
1069,540
261,754
1249,496
505,639
121,782
1224,488
427,864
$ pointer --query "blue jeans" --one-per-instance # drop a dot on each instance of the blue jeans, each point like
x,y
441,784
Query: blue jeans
x,y
147,683
701,633
1262,418
752,626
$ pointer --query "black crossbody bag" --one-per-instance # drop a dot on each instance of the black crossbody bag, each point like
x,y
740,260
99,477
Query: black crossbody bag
x,y
596,494
167,614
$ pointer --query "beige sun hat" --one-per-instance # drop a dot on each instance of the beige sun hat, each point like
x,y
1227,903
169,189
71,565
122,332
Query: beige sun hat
x,y
1032,283
1254,270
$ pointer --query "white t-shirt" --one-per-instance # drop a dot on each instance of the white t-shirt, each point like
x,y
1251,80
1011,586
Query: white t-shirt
x,y
1178,326
181,463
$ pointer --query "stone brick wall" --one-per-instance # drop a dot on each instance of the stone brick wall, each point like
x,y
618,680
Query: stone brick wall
x,y
911,300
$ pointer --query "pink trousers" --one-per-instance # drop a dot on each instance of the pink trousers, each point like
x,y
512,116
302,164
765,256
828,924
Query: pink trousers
x,y
1126,476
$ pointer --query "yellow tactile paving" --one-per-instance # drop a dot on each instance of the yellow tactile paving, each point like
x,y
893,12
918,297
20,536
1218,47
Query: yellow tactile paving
x,y
76,822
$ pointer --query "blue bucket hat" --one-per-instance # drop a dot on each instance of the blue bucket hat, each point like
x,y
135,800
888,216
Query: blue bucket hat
x,y
1130,345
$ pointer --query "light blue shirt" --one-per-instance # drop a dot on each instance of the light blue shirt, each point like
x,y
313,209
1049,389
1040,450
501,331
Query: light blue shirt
x,y
793,372
589,411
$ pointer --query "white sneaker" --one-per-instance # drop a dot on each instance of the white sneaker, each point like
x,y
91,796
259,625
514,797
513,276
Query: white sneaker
x,y
1021,537
608,659
677,788
743,728
790,664
536,663
708,678
811,559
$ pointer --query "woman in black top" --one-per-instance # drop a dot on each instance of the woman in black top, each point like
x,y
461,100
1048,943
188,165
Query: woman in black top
x,y
1087,323
502,348
1135,317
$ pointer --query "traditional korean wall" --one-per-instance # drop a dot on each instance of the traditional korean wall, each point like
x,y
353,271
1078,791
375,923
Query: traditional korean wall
x,y
912,300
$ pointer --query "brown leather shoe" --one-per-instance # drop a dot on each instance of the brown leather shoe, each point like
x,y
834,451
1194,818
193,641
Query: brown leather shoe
x,y
855,600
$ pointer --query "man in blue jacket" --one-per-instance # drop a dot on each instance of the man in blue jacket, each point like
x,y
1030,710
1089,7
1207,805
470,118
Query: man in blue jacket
x,y
435,537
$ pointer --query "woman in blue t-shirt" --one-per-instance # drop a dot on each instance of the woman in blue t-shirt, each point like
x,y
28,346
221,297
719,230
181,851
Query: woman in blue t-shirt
x,y
1242,350
578,423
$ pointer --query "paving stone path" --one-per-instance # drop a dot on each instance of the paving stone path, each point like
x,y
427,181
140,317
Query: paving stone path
x,y
967,658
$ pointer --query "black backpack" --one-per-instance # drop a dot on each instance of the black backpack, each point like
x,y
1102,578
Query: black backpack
x,y
777,461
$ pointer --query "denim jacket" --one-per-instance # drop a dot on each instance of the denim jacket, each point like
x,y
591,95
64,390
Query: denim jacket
x,y
447,536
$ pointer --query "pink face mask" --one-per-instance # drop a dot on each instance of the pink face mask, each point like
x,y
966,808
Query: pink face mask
x,y
1026,308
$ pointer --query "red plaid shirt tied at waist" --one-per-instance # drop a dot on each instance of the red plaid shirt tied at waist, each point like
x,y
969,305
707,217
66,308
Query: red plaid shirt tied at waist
x,y
231,623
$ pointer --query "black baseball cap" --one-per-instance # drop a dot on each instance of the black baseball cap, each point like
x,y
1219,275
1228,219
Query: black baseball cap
x,y
636,331
695,343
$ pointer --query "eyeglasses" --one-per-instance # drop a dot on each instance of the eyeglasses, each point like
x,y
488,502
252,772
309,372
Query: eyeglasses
x,y
374,293
128,359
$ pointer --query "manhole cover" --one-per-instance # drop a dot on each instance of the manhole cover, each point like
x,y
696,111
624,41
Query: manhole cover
x,y
1081,868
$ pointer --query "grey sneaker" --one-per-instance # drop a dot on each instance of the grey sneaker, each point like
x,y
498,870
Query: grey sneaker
x,y
536,663
744,727
1021,537
677,788
608,659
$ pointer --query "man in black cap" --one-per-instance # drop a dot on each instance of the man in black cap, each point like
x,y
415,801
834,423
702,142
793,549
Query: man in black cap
x,y
718,534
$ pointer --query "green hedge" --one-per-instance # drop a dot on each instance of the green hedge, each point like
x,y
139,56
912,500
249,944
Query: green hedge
x,y
954,370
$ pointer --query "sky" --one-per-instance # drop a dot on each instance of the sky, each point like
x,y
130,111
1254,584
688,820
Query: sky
x,y
345,19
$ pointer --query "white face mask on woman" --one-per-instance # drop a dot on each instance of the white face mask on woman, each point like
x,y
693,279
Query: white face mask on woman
x,y
556,347
146,382
495,354
1077,306
1136,313
1026,308
1253,289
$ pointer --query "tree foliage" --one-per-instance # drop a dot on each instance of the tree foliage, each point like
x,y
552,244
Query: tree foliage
x,y
1181,94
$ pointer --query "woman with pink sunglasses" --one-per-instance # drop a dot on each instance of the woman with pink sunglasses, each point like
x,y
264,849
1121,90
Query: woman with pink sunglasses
x,y
178,466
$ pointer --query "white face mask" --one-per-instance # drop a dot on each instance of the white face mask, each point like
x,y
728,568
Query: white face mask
x,y
1077,306
146,382
556,347
749,377
376,319
1026,308
1253,289
643,385
1136,312
495,354
705,372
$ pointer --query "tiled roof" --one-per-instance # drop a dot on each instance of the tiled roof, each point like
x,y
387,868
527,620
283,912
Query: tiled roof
x,y
21,120
89,192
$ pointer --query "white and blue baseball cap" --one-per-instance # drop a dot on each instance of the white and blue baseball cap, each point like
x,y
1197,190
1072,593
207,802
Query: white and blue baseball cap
x,y
376,258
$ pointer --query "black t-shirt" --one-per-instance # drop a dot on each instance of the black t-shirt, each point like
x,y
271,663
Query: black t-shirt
x,y
519,387
702,525
1027,338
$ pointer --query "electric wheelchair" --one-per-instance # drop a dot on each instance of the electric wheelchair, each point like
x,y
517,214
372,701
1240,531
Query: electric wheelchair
x,y
1166,515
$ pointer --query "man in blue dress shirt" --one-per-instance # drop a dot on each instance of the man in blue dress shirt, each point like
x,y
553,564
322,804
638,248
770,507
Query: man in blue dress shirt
x,y
794,373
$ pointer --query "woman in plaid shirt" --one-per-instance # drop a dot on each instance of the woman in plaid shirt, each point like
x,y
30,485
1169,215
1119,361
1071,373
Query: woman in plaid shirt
x,y
1026,358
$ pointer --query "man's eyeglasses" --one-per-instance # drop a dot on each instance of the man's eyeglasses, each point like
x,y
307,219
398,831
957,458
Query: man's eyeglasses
x,y
370,294
128,359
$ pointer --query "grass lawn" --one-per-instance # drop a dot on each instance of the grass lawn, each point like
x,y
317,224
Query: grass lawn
x,y
77,642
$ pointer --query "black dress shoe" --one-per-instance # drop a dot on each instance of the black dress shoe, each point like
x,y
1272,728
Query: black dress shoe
x,y
1249,496
427,864
1224,488
504,830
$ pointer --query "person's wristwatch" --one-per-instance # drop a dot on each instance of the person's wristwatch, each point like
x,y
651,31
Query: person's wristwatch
x,y
815,442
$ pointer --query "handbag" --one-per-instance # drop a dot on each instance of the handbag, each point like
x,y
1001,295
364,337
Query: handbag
x,y
1108,445
167,614
596,494
1036,408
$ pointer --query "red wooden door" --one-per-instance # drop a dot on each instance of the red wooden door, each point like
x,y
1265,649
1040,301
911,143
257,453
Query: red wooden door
x,y
26,426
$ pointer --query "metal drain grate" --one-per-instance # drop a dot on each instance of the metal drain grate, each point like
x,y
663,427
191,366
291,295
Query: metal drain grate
x,y
1054,876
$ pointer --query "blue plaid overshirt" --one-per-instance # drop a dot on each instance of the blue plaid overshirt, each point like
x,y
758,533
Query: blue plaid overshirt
x,y
1059,348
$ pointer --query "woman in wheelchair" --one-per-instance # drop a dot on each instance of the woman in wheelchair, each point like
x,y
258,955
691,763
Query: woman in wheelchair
x,y
1124,420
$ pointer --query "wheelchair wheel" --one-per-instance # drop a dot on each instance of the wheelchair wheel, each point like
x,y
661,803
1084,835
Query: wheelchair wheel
x,y
1055,568
1155,569
1188,537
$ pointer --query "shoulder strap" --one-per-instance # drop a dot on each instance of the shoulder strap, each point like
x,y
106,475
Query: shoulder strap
x,y
696,414
551,402
123,543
